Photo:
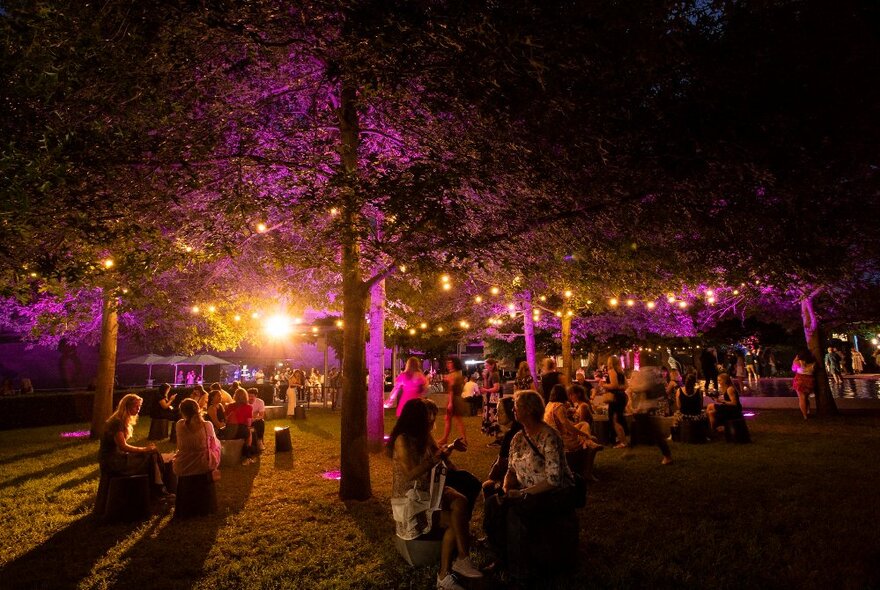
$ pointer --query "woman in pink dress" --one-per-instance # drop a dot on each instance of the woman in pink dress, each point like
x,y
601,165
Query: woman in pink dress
x,y
410,384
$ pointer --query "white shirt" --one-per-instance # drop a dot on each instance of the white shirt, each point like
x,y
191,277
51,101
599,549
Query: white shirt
x,y
259,407
470,389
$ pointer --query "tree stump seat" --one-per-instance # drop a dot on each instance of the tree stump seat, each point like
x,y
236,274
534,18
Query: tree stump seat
x,y
158,428
275,412
123,497
736,430
196,496
230,452
693,432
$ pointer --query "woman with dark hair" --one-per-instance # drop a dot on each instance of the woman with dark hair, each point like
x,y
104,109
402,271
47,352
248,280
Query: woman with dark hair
x,y
163,405
804,382
216,414
456,406
415,455
616,398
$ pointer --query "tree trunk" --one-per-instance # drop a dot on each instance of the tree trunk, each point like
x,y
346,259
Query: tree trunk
x,y
529,332
354,458
566,348
825,404
376,368
103,404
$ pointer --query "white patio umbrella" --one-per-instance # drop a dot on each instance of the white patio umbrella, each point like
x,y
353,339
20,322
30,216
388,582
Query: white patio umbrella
x,y
148,359
204,359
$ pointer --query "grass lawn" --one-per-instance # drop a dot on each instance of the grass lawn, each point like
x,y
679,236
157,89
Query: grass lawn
x,y
796,509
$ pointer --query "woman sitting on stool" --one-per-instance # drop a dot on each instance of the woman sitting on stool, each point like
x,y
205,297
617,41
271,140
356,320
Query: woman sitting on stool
x,y
728,406
117,457
414,456
198,454
239,415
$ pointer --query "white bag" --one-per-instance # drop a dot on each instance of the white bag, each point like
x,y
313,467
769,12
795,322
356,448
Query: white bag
x,y
407,510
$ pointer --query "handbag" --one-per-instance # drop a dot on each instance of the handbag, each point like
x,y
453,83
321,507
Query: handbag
x,y
211,444
413,511
579,494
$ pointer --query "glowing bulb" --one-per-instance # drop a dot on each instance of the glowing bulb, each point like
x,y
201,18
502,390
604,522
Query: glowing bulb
x,y
439,328
630,302
339,323
512,314
874,341
736,291
255,315
651,305
710,293
195,309
589,302
478,299
711,300
682,304
314,329
188,249
444,279
278,326
334,211
237,318
402,268
569,313
495,290
33,275
211,309
297,321
447,286
261,228
423,326
108,263
125,290
670,298
543,298
559,314
412,331
613,301
511,306
568,294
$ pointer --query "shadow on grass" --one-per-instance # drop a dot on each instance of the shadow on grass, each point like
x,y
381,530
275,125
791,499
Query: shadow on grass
x,y
284,461
49,450
59,469
94,475
175,556
63,560
306,427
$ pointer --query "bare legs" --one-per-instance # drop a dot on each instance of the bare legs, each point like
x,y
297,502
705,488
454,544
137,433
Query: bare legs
x,y
447,428
457,535
804,403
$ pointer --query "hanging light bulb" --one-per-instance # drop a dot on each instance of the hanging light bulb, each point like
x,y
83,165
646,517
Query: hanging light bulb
x,y
670,298
211,309
511,306
630,302
261,228
559,314
682,304
478,299
402,268
568,294
195,309
447,286
334,211
423,326
495,290
444,278
543,298
613,302
108,263
650,305
412,331
339,323
237,318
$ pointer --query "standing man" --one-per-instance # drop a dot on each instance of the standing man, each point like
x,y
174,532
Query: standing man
x,y
832,366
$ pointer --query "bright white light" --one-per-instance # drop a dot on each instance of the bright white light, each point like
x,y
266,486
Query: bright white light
x,y
444,279
195,309
495,290
423,326
874,341
630,302
613,301
412,331
710,293
278,326
212,309
543,298
237,318
478,299
670,298
651,305
261,228
568,294
682,304
108,263
402,268
511,306
736,291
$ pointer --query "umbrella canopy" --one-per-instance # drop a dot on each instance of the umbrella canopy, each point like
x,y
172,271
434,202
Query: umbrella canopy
x,y
203,359
147,359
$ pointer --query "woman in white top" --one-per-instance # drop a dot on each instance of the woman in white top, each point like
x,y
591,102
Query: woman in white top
x,y
804,382
198,450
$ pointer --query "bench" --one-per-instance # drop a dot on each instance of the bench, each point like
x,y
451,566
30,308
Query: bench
x,y
275,412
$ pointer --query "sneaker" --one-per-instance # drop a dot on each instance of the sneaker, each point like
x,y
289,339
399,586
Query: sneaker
x,y
448,583
494,443
465,567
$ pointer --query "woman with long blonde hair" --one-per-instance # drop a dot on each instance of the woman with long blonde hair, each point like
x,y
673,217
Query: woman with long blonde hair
x,y
117,457
410,384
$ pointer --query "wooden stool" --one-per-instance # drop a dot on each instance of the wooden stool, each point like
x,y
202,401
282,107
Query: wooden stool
x,y
282,439
601,429
693,432
196,496
736,430
230,452
299,413
128,498
158,429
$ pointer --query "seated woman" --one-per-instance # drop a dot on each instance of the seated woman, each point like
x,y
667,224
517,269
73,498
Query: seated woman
x,y
509,426
216,414
198,450
727,406
163,406
577,442
239,415
688,401
538,490
672,385
463,482
578,397
414,456
117,457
